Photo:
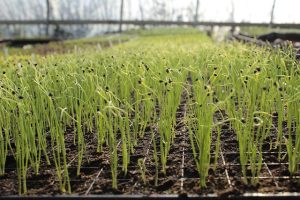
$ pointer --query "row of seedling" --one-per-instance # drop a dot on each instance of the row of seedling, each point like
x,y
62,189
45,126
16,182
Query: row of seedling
x,y
117,94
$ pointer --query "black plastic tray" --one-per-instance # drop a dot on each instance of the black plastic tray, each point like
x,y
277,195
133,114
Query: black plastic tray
x,y
252,196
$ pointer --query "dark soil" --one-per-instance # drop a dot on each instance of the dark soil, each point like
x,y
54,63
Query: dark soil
x,y
181,175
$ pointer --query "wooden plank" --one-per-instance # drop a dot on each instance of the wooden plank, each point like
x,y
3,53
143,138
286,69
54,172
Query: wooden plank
x,y
142,23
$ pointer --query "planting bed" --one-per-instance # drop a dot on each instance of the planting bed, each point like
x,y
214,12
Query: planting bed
x,y
50,47
171,115
181,178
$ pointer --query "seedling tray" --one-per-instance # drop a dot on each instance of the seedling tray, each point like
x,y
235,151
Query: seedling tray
x,y
246,196
181,180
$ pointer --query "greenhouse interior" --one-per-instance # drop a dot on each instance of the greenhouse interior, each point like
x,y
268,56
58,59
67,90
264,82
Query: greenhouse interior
x,y
149,99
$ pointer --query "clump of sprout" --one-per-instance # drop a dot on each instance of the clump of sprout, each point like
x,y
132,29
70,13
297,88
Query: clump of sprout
x,y
118,95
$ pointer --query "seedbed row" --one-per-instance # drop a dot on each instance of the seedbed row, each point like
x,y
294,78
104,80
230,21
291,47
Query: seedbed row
x,y
214,121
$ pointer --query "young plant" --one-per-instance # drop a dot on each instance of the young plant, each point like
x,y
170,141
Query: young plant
x,y
200,127
142,167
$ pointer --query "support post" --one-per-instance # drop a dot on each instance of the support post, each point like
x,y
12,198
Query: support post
x,y
48,16
121,15
196,11
272,13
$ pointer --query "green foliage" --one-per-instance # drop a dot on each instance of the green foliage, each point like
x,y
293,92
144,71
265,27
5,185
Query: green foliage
x,y
116,93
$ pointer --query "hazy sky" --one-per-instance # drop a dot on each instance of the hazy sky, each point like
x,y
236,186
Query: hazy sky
x,y
286,11
253,10
244,10
209,10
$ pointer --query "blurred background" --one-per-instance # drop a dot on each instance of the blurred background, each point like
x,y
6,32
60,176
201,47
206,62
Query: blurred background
x,y
86,18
